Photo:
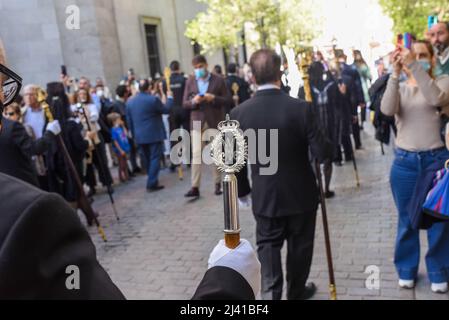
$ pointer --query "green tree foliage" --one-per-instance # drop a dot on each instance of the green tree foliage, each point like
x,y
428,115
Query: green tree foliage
x,y
411,15
289,23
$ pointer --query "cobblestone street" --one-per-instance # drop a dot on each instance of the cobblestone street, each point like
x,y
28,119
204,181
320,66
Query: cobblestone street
x,y
159,249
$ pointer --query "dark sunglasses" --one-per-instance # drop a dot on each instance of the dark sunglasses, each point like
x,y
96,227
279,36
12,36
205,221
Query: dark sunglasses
x,y
10,114
11,85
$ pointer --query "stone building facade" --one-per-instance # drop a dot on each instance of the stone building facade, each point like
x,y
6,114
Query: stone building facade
x,y
113,36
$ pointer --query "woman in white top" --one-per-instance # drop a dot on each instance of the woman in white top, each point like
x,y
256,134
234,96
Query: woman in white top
x,y
415,105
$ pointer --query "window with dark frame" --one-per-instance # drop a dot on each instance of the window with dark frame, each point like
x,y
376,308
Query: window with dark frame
x,y
154,59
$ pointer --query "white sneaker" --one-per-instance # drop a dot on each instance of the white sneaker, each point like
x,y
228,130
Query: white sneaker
x,y
440,288
406,284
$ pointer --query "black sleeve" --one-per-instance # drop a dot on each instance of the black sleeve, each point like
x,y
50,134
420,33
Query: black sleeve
x,y
77,140
320,145
221,283
301,93
46,238
358,87
27,145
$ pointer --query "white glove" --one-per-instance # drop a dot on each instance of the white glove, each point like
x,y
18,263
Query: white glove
x,y
54,127
243,259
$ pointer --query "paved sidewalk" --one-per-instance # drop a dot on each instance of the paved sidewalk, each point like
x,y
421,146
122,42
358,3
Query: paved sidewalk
x,y
159,249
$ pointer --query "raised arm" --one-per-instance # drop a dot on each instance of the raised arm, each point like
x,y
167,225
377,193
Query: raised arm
x,y
436,91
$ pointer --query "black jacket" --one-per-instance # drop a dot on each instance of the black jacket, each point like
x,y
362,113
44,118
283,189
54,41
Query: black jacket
x,y
40,236
355,86
243,92
292,190
382,123
221,283
177,86
17,148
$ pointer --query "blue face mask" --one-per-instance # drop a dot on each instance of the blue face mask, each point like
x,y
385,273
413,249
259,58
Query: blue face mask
x,y
425,65
200,73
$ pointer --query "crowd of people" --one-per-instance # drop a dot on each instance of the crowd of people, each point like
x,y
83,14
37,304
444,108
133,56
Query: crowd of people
x,y
130,130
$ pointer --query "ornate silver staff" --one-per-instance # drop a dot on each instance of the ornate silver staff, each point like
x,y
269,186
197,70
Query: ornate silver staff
x,y
229,153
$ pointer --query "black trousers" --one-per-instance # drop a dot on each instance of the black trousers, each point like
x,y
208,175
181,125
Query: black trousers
x,y
299,232
346,143
179,118
100,162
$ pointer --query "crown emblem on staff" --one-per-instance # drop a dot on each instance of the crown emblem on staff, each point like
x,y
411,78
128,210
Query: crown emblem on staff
x,y
222,151
228,125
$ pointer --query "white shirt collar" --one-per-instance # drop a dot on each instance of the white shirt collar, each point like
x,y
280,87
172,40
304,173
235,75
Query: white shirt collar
x,y
268,86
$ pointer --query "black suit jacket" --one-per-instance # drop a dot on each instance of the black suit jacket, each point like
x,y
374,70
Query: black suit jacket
x,y
293,189
40,236
243,92
221,283
17,148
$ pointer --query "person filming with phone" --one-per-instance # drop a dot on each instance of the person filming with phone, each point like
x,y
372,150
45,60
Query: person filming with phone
x,y
415,104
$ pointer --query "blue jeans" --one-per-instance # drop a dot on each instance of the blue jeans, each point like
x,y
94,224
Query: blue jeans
x,y
404,175
151,155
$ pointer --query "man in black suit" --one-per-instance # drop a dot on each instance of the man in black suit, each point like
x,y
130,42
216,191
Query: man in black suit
x,y
284,203
237,85
179,117
351,78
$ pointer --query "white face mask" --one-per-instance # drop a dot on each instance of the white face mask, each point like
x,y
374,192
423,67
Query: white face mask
x,y
100,93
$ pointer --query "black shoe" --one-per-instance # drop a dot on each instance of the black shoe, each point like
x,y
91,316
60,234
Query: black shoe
x,y
338,163
218,191
137,170
309,291
91,192
155,189
329,194
91,220
110,190
173,168
193,193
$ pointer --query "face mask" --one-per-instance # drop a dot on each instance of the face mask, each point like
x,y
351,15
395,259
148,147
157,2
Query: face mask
x,y
200,73
100,93
425,65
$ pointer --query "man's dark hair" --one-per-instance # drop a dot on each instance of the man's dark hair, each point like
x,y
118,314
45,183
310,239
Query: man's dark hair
x,y
266,66
340,54
199,59
144,85
121,91
232,68
218,69
175,66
